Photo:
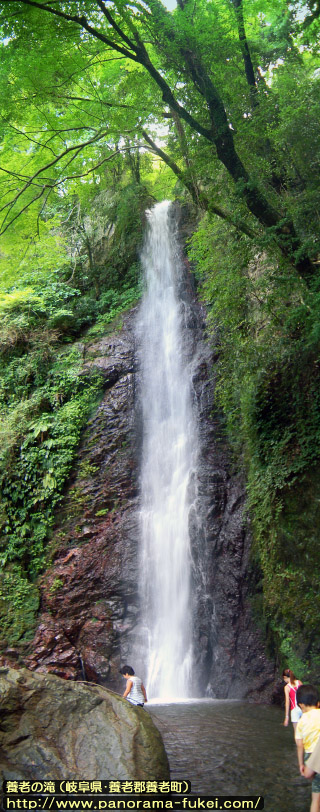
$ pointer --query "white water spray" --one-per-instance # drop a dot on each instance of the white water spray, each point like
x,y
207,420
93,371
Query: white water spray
x,y
168,462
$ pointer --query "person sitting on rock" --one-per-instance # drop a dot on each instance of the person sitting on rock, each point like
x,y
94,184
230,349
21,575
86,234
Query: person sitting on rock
x,y
135,691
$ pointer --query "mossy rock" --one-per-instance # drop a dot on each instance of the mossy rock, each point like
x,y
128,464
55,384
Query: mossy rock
x,y
292,574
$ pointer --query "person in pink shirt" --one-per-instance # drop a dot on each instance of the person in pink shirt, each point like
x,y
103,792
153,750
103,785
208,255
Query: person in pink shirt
x,y
290,690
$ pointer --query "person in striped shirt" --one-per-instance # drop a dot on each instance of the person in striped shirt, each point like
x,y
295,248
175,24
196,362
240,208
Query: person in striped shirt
x,y
135,691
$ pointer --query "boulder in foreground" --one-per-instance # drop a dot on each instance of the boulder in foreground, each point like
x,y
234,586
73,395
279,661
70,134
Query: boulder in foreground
x,y
51,728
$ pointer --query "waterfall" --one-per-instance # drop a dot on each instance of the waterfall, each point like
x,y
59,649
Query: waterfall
x,y
169,452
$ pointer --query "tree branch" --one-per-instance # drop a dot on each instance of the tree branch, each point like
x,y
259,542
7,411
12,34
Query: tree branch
x,y
248,66
82,21
51,186
140,55
76,147
219,132
115,26
200,199
27,206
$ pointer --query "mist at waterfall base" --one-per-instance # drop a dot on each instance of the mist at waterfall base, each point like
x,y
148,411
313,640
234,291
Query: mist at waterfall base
x,y
169,453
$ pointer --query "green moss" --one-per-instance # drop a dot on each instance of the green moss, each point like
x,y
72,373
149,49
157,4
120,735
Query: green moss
x,y
19,603
87,469
292,572
57,583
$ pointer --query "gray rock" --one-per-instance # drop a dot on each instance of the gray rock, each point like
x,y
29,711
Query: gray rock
x,y
54,729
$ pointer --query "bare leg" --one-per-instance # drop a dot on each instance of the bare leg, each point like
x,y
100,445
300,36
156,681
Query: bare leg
x,y
315,802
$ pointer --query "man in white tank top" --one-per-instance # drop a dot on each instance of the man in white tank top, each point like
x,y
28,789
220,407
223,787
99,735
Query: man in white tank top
x,y
135,691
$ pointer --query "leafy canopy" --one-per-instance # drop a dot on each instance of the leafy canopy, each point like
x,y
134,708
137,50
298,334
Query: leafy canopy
x,y
98,74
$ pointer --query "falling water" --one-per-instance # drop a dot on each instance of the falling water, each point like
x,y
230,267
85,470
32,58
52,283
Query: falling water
x,y
168,461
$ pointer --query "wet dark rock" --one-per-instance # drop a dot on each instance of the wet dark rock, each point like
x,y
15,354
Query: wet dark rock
x,y
229,648
53,729
89,594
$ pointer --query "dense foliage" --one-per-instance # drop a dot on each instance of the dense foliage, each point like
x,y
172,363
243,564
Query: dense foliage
x,y
105,106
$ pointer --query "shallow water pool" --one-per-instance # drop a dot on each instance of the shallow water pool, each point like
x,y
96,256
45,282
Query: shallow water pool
x,y
233,748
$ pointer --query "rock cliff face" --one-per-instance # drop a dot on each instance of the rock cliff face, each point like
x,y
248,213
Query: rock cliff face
x,y
89,595
89,621
230,655
53,729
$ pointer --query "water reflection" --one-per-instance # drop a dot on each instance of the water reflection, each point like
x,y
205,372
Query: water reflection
x,y
233,748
